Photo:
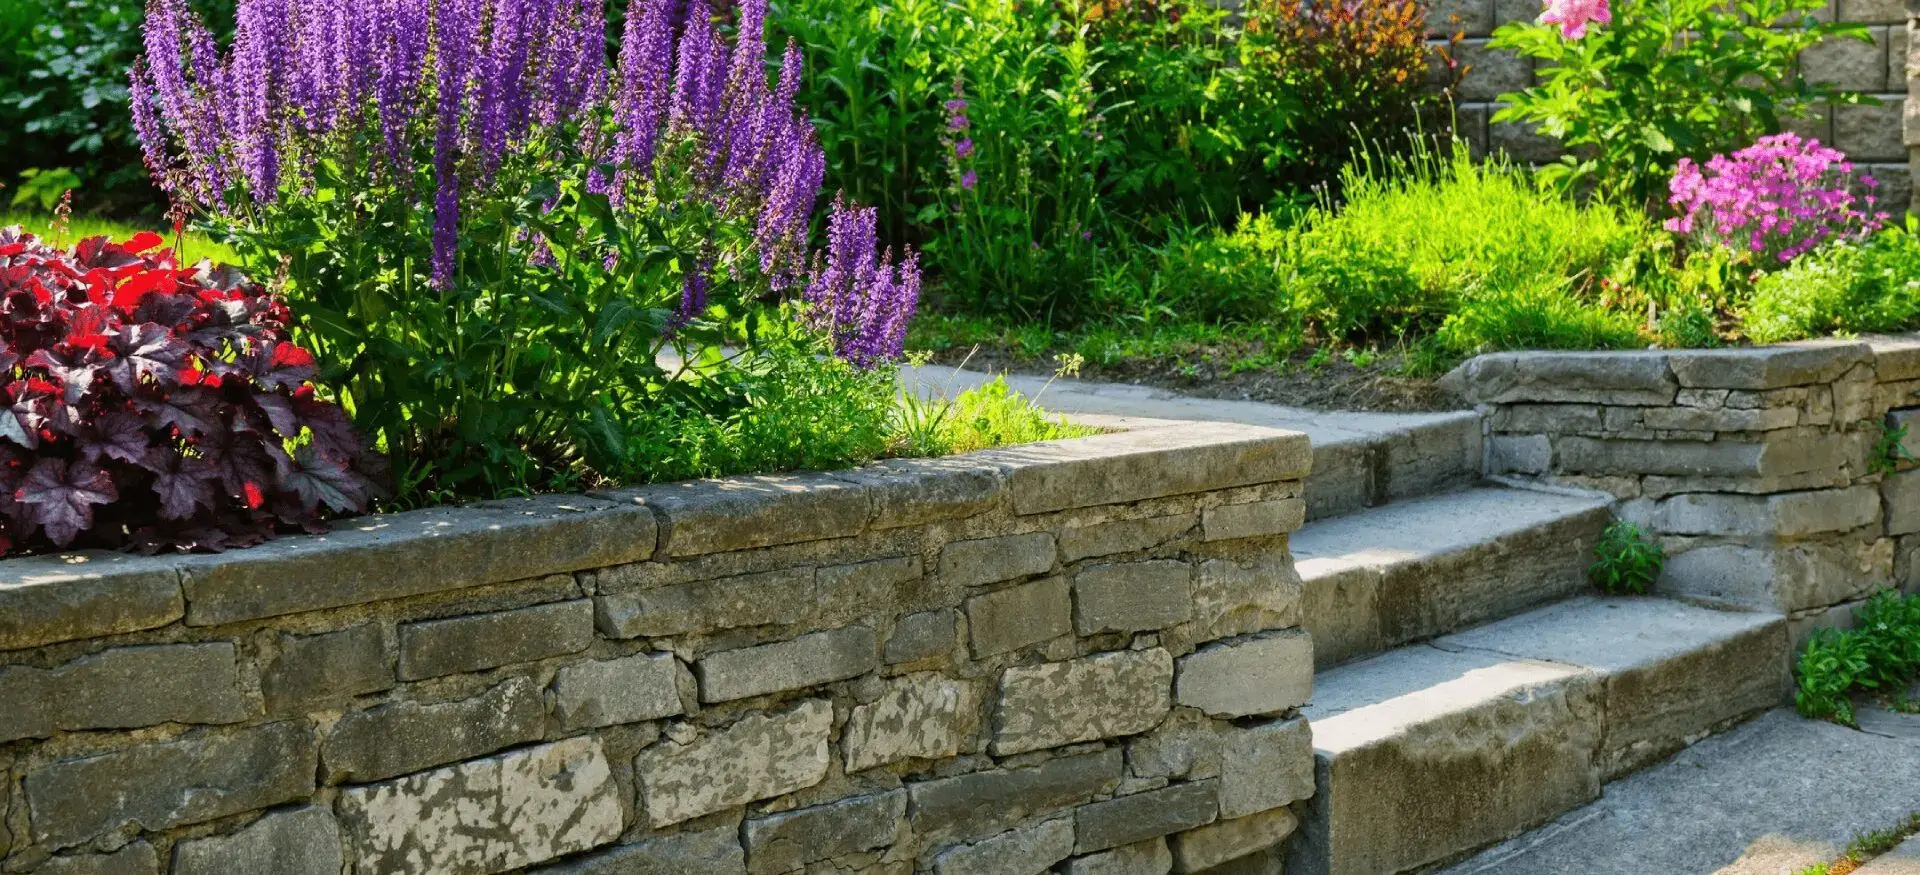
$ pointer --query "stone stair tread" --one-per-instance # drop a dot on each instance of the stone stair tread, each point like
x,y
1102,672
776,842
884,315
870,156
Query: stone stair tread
x,y
1413,570
1610,634
1374,699
1431,526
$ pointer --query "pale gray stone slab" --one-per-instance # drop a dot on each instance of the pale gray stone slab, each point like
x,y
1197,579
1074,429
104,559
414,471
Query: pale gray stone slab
x,y
1019,616
1619,378
761,599
91,594
1779,791
1150,857
991,560
759,757
788,841
1264,766
401,737
1221,842
924,635
478,642
980,804
807,661
1130,819
488,815
1028,851
741,513
317,669
1902,860
1257,520
138,858
301,841
921,716
127,688
1121,536
1265,674
1132,596
629,689
1100,696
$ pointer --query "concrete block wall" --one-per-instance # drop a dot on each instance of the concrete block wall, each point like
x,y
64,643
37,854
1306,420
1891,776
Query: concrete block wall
x,y
1871,135
1082,656
1763,472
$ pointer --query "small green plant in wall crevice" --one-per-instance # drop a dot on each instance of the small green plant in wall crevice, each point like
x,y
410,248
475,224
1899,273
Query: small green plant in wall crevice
x,y
1879,656
1626,561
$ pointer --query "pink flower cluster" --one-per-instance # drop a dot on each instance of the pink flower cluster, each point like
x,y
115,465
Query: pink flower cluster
x,y
1573,16
1781,196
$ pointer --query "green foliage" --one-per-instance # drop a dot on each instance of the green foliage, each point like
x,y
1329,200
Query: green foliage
x,y
191,248
1881,654
1667,79
1890,450
994,415
1870,286
1626,561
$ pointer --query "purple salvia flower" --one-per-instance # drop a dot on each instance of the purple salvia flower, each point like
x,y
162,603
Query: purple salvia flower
x,y
261,45
646,63
695,61
146,125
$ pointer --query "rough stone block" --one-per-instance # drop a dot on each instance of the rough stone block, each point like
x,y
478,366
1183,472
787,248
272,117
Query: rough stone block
x,y
1121,536
92,594
1094,697
862,584
1150,857
1768,367
479,642
1012,618
915,492
764,599
1901,492
1774,458
630,689
712,852
1719,420
991,560
1520,454
1257,520
923,636
1791,515
303,841
315,669
1223,842
489,815
1856,65
1871,11
392,556
921,716
1871,133
162,785
1240,598
759,757
1788,578
1029,851
1626,379
138,858
1551,418
403,737
1494,71
807,661
1264,766
1471,17
1132,466
1269,674
787,842
983,803
1133,597
126,688
1521,141
1143,816
741,513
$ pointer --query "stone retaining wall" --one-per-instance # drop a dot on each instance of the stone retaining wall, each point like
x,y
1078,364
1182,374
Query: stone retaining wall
x,y
1870,134
1756,468
1083,654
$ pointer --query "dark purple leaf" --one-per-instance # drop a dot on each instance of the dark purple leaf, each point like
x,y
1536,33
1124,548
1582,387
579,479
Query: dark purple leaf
x,y
182,483
62,497
120,436
279,365
192,411
319,479
146,352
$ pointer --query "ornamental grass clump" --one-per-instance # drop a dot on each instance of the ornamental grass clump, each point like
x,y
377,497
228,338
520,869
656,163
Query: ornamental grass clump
x,y
1776,199
495,228
153,406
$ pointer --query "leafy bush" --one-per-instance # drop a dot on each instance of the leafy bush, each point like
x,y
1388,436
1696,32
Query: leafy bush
x,y
1626,561
1661,80
1881,654
1776,199
494,235
1359,68
151,406
1849,287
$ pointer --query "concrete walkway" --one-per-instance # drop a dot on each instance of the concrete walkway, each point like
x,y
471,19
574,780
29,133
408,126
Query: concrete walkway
x,y
1769,798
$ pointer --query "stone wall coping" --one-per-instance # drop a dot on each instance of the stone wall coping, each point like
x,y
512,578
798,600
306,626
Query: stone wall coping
x,y
1654,377
64,597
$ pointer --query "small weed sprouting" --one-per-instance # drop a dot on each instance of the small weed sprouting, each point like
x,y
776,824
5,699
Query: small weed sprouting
x,y
1891,449
1881,655
1627,561
1866,846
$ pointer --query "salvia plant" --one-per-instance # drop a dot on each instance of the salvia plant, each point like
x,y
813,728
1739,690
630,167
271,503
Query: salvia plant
x,y
1777,199
154,406
493,227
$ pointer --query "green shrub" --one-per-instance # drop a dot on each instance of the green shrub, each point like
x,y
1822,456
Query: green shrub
x,y
1667,79
989,415
1881,654
1626,561
1849,288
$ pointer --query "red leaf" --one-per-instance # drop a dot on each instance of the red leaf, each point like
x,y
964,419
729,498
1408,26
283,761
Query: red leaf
x,y
144,241
280,365
62,497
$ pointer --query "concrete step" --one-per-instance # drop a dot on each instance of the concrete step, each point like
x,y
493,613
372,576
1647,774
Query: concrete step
x,y
1416,569
1360,459
1428,752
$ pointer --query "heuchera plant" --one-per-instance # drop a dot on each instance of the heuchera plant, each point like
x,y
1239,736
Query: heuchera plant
x,y
493,227
1777,199
152,406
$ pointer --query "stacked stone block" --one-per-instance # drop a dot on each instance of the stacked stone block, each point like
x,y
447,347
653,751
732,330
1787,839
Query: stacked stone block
x,y
1081,657
1872,135
1765,473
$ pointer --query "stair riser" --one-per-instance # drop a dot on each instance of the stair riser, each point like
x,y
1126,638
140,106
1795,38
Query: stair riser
x,y
1654,711
1448,786
1355,474
1354,611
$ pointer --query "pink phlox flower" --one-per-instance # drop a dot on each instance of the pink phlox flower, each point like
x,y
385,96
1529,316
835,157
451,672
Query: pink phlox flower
x,y
1778,198
1573,16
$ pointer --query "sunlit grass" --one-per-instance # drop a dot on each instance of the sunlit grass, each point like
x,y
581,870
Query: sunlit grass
x,y
192,247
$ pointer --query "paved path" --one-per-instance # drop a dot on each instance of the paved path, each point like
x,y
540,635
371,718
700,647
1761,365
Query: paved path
x,y
1769,798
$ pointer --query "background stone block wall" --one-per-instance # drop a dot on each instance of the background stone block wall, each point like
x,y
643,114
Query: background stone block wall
x,y
1871,135
1083,655
1767,474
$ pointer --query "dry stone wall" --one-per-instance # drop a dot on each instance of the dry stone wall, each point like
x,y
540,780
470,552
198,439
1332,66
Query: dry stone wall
x,y
1767,474
1872,135
1083,656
